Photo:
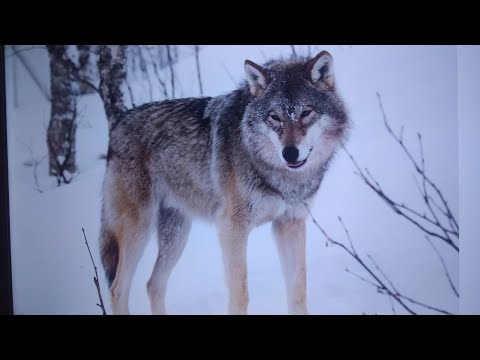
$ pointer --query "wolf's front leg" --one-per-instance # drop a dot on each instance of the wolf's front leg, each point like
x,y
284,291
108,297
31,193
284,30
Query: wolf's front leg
x,y
290,237
233,239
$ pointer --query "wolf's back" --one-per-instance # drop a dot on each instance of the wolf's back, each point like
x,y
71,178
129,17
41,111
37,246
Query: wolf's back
x,y
155,126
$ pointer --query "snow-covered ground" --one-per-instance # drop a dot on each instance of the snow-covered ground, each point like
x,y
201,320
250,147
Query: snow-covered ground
x,y
52,272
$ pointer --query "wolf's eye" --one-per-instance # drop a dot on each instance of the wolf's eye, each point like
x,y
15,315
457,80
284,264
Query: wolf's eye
x,y
275,117
305,113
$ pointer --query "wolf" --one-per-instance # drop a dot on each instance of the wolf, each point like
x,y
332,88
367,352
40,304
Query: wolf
x,y
257,154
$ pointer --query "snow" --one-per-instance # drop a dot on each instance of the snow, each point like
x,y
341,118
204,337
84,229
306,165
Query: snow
x,y
52,272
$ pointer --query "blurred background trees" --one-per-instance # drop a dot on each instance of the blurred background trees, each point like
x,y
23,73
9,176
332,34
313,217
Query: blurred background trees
x,y
108,71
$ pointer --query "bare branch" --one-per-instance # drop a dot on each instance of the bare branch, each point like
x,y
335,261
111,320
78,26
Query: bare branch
x,y
442,211
384,287
348,234
417,167
83,80
436,229
86,71
397,208
444,265
432,201
425,194
130,93
413,301
172,72
392,305
197,61
294,52
36,80
382,273
34,162
144,71
19,51
381,286
157,74
95,278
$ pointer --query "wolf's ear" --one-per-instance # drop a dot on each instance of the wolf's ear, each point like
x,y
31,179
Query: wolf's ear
x,y
256,76
320,71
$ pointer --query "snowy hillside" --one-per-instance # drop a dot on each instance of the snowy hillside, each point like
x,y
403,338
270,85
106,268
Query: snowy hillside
x,y
52,272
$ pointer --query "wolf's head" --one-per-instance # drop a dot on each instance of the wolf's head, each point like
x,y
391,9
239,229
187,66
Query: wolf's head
x,y
295,119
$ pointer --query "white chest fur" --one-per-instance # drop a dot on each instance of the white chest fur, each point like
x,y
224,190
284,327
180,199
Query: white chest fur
x,y
268,208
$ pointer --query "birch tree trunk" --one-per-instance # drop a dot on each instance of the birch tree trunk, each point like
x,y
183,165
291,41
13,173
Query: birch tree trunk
x,y
62,127
84,69
111,68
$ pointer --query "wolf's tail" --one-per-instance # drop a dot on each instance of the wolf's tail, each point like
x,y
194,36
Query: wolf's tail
x,y
109,251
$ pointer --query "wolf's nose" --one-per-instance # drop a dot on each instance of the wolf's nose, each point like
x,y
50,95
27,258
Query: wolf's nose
x,y
290,154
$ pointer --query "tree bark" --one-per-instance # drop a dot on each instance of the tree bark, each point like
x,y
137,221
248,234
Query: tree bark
x,y
62,127
111,68
85,68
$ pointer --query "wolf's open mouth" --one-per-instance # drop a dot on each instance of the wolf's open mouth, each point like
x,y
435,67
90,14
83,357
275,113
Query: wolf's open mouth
x,y
296,164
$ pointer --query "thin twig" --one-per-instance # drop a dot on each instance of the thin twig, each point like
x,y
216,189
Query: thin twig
x,y
392,305
294,52
197,61
374,185
413,301
381,281
426,196
130,93
444,265
32,73
95,278
348,234
383,274
18,51
83,80
444,213
419,170
381,286
34,162
77,75
400,294
172,72
144,71
155,70
387,288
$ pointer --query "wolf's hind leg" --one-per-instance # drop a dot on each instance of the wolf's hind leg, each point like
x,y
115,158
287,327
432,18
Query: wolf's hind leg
x,y
123,236
127,240
173,228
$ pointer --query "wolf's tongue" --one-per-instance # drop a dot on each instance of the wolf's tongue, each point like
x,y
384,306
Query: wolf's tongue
x,y
295,164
